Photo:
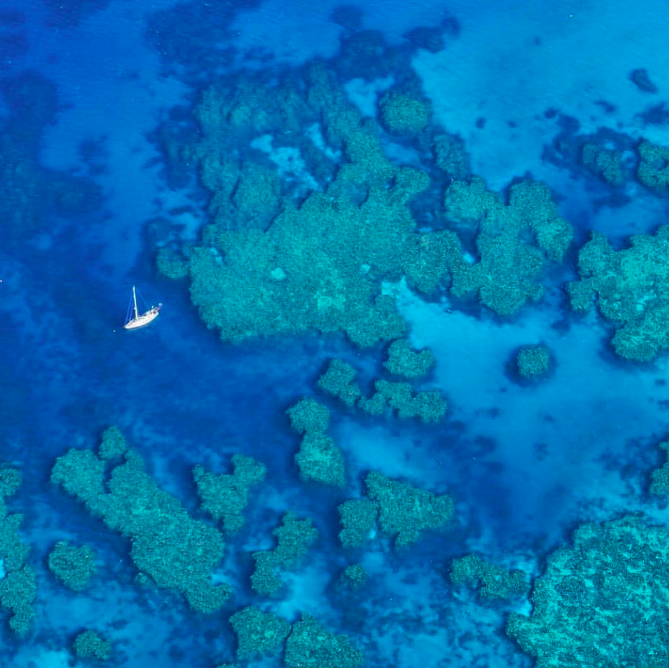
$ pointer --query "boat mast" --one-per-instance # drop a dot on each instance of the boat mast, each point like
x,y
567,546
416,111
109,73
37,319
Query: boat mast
x,y
134,301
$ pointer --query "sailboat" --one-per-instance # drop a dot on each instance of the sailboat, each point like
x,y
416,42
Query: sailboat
x,y
136,320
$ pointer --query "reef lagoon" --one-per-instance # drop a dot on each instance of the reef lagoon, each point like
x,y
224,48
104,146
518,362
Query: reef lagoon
x,y
405,402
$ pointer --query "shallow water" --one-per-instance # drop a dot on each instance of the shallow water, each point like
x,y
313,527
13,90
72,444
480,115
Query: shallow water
x,y
525,463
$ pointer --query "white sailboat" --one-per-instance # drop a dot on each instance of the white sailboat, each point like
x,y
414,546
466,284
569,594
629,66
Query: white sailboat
x,y
134,319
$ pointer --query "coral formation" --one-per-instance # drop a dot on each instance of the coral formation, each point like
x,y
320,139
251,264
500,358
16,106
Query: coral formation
x,y
606,164
659,485
533,361
176,551
405,511
601,602
258,633
318,458
17,578
224,497
403,361
171,263
490,580
113,444
90,645
653,169
310,645
317,267
73,566
308,416
354,576
630,287
451,156
357,517
403,114
339,380
509,267
294,537
428,405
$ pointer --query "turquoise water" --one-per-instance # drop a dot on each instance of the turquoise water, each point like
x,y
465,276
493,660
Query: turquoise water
x,y
92,95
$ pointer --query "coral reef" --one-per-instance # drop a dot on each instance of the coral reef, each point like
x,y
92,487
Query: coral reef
x,y
174,550
113,444
258,633
402,511
357,517
90,645
510,266
405,511
428,405
659,485
73,566
403,114
403,361
317,267
339,380
308,416
311,645
602,601
533,361
294,537
653,169
451,156
630,287
490,580
224,497
17,578
171,263
604,163
318,458
354,576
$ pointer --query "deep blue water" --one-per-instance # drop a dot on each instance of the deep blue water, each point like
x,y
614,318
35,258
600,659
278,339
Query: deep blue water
x,y
85,88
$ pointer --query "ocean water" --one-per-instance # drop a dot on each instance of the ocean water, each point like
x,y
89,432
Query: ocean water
x,y
97,98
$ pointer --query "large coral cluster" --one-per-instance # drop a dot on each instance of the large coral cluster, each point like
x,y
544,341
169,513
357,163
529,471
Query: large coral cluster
x,y
73,565
319,266
294,537
491,580
175,550
307,642
225,496
631,290
389,396
602,601
516,242
402,511
318,458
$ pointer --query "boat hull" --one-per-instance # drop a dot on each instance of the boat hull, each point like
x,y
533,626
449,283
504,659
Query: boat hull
x,y
143,320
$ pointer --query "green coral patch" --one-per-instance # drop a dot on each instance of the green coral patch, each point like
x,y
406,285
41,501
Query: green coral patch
x,y
258,632
311,645
294,537
406,511
631,290
175,550
226,496
602,602
73,565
